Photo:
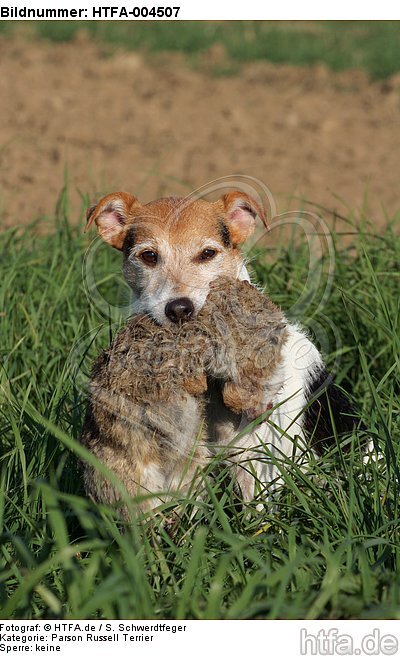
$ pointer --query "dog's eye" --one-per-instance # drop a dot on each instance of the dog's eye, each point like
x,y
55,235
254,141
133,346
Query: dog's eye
x,y
207,254
149,257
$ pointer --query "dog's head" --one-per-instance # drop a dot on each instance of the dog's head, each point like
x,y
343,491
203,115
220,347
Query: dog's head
x,y
174,248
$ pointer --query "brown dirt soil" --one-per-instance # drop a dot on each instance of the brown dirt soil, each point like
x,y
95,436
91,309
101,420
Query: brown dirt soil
x,y
158,127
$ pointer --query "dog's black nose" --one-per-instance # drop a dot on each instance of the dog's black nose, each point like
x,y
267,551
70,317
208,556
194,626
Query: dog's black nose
x,y
182,309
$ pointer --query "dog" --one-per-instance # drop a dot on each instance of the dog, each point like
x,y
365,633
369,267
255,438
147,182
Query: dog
x,y
147,396
173,249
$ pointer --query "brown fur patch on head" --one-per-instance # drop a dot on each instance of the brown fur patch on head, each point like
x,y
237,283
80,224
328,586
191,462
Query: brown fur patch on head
x,y
182,221
229,220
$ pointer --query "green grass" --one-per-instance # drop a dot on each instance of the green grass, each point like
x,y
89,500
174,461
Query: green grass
x,y
372,45
328,545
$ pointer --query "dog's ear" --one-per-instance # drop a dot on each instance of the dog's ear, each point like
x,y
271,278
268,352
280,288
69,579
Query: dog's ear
x,y
240,211
112,215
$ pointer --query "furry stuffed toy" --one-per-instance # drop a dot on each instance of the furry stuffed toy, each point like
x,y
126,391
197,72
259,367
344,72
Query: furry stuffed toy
x,y
145,417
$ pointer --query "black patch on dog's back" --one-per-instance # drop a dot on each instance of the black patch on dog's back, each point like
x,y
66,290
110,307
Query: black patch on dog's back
x,y
328,412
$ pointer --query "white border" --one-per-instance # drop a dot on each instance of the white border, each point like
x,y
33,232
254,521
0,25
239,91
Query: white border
x,y
213,9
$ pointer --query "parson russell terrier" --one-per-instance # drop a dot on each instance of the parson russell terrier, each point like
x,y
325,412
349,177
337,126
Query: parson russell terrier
x,y
173,248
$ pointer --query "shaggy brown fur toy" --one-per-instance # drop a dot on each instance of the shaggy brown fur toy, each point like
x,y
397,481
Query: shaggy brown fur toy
x,y
147,395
